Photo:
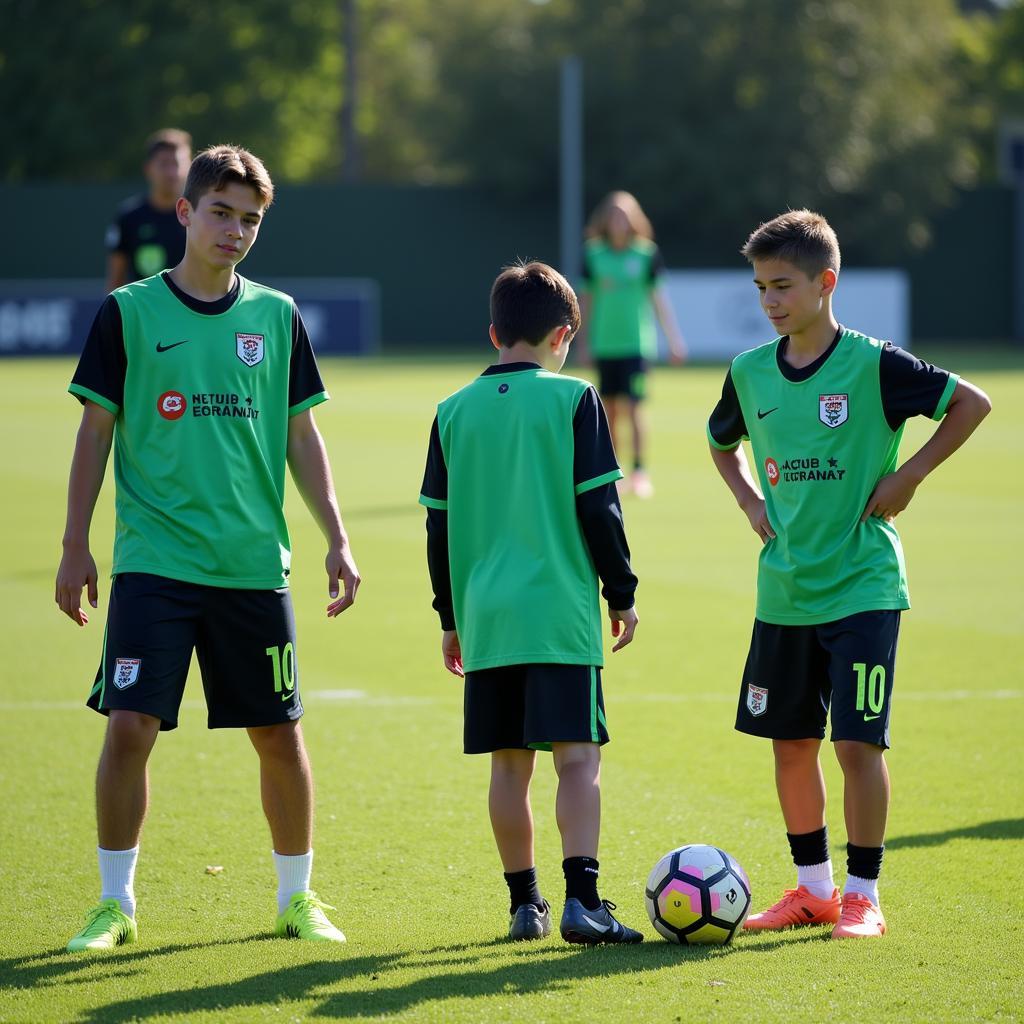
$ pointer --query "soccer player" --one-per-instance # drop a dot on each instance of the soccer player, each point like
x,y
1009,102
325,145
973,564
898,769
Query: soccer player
x,y
146,236
620,296
206,383
823,408
521,508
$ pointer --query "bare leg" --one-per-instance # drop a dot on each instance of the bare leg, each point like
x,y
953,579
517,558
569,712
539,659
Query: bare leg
x,y
286,785
611,406
509,805
638,421
800,784
122,779
578,802
865,791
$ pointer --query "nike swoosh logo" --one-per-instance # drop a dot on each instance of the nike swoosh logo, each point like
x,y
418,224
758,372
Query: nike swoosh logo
x,y
160,347
871,718
761,415
594,924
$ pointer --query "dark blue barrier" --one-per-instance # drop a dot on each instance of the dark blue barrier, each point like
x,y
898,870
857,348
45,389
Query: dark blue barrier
x,y
53,317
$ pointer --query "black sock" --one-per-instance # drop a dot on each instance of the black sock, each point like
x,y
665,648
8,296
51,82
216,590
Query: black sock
x,y
581,881
864,861
522,888
638,465
809,847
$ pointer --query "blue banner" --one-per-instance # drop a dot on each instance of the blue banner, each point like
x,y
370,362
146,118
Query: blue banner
x,y
342,315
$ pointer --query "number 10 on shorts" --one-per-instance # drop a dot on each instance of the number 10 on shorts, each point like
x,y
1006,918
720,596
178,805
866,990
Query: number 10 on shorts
x,y
283,660
870,689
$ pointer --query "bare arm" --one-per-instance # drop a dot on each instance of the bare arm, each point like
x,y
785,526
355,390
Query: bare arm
x,y
117,270
77,569
733,468
582,340
311,470
968,406
667,318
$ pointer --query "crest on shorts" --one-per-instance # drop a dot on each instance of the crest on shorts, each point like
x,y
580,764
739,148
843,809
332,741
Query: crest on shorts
x,y
833,410
126,672
757,699
249,348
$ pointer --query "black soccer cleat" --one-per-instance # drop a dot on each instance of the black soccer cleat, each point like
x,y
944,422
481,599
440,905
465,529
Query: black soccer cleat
x,y
530,922
593,927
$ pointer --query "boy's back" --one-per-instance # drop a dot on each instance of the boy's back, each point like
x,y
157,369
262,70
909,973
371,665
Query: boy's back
x,y
517,446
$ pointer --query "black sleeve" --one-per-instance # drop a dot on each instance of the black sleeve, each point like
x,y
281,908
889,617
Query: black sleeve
x,y
595,470
103,365
304,381
434,493
594,459
657,267
600,516
910,386
726,424
115,238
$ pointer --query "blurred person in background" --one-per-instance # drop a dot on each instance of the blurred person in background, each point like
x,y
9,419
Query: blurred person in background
x,y
146,237
619,299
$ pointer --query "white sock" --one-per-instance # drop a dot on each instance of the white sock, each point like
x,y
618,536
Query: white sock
x,y
117,876
292,876
816,879
865,886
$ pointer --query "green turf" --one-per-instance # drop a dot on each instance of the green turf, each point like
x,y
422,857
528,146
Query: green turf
x,y
403,845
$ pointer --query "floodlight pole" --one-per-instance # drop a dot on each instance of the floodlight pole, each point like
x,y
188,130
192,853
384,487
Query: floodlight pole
x,y
570,191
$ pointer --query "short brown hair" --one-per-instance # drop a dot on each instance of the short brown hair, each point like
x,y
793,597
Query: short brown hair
x,y
219,166
800,237
529,300
167,138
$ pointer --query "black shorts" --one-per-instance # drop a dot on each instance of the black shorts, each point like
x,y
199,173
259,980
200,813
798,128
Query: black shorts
x,y
244,640
529,707
622,378
794,672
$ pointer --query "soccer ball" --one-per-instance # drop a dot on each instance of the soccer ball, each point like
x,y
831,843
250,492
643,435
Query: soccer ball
x,y
697,894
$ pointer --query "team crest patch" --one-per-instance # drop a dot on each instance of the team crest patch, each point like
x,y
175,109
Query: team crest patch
x,y
833,410
126,672
757,699
249,348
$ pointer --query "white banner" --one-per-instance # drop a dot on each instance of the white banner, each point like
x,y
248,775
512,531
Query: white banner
x,y
720,316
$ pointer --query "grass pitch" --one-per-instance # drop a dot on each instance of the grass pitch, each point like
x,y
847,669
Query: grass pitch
x,y
402,843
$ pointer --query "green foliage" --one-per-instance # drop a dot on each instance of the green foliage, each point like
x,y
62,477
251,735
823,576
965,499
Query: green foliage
x,y
403,847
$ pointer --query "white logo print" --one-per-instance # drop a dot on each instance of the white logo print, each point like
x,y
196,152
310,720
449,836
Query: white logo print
x,y
594,924
833,410
249,348
126,672
757,699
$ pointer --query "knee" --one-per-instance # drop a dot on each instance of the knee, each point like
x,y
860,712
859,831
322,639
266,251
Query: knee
x,y
278,742
582,758
510,766
793,754
131,734
857,758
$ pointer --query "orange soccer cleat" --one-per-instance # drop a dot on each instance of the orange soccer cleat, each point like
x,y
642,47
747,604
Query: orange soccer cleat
x,y
797,907
860,919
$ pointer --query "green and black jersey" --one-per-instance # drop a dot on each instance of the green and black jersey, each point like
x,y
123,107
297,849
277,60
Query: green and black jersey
x,y
202,392
822,437
523,517
619,283
151,240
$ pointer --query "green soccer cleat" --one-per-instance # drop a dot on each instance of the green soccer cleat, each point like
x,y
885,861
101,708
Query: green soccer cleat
x,y
305,919
106,926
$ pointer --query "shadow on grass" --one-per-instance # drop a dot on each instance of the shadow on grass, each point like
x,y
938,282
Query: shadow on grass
x,y
1005,828
58,965
458,971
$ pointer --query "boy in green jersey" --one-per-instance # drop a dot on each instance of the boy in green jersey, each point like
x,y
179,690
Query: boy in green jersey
x,y
205,383
823,408
522,518
621,294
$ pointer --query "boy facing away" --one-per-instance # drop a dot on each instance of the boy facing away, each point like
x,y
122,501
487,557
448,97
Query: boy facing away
x,y
522,518
824,408
205,382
